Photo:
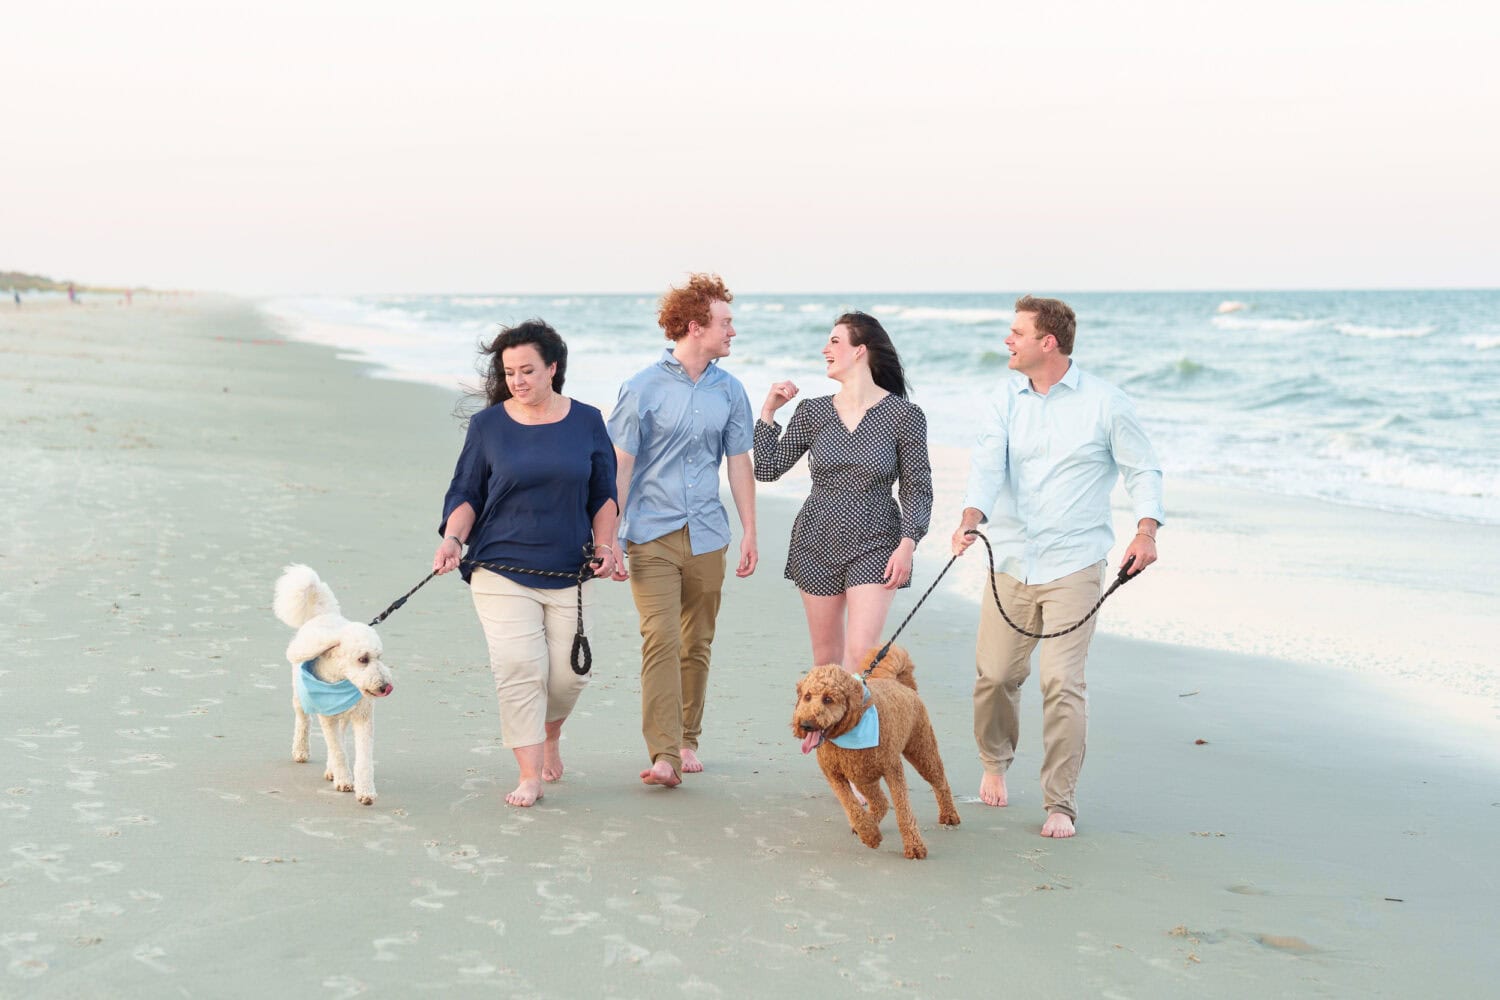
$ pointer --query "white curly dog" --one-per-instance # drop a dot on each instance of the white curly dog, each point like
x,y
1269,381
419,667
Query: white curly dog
x,y
336,671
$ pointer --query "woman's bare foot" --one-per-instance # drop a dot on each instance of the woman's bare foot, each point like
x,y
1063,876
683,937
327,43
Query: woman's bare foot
x,y
661,773
1058,825
552,765
690,762
526,793
992,790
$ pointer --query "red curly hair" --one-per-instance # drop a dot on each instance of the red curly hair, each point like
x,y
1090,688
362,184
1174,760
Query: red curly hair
x,y
690,303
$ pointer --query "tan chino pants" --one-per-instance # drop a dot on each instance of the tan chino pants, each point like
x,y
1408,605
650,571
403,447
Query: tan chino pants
x,y
677,596
1003,662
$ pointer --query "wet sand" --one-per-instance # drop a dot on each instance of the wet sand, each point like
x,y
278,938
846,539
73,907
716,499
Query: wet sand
x,y
1249,825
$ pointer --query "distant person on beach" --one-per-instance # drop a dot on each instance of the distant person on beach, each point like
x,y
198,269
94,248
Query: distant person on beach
x,y
17,295
533,488
1050,448
852,545
72,293
675,423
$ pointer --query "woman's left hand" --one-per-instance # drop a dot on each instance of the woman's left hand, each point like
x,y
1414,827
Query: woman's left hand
x,y
898,566
605,561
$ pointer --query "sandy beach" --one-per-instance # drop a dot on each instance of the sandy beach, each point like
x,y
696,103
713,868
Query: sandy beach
x,y
1256,818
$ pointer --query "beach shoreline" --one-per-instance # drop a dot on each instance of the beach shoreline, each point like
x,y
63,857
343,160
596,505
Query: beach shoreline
x,y
1326,836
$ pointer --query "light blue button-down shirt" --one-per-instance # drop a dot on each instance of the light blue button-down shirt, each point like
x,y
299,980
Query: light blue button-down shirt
x,y
679,432
1043,468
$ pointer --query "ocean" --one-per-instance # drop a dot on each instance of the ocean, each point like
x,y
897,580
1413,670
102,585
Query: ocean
x,y
1381,399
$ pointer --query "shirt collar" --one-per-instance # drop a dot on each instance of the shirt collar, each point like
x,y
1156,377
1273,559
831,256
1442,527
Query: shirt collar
x,y
670,363
1019,383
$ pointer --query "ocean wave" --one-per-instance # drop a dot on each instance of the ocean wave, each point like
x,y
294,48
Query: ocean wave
x,y
1182,372
1482,343
484,300
951,315
812,307
1382,467
1382,332
1267,325
1230,306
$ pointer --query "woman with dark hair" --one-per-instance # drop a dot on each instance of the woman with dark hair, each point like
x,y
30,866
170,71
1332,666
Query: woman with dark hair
x,y
534,489
851,546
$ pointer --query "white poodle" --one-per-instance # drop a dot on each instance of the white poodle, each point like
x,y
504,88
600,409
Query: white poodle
x,y
336,670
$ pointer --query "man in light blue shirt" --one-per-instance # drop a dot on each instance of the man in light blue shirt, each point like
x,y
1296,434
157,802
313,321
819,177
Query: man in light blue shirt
x,y
673,425
1051,447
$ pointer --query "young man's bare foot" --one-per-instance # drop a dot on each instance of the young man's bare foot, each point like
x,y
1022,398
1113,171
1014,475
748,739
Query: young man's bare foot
x,y
690,762
992,790
661,773
526,793
1058,825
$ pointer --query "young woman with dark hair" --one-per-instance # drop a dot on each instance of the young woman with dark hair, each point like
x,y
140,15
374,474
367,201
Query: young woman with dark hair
x,y
851,546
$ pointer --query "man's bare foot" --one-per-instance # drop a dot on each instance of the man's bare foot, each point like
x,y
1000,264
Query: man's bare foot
x,y
1058,825
526,793
661,773
857,796
552,765
992,790
690,762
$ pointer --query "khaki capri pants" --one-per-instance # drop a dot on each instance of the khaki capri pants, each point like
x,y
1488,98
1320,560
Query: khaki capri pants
x,y
530,635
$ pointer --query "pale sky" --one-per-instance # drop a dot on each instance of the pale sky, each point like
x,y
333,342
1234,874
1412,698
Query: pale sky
x,y
274,147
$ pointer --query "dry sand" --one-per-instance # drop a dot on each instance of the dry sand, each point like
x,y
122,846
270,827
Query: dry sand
x,y
1249,826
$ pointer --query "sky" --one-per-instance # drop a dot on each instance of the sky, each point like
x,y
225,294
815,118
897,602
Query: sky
x,y
381,147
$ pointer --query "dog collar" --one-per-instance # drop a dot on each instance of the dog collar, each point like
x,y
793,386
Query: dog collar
x,y
319,697
866,734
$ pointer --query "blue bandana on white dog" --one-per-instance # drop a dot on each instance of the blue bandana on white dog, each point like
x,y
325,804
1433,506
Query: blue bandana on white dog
x,y
319,697
866,734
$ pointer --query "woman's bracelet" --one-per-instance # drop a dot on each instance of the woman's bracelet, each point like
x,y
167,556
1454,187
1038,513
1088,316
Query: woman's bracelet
x,y
606,548
455,538
1147,534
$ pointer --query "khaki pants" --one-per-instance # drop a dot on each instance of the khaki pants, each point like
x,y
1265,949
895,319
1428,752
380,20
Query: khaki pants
x,y
1003,662
677,595
530,634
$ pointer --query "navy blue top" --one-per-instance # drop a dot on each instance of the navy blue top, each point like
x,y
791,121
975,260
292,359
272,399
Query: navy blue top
x,y
535,489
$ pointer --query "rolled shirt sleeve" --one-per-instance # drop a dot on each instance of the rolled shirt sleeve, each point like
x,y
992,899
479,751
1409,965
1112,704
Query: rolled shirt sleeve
x,y
471,476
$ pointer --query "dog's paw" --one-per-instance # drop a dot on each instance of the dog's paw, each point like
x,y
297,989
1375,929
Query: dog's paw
x,y
299,756
916,850
328,775
343,786
366,798
870,837
948,818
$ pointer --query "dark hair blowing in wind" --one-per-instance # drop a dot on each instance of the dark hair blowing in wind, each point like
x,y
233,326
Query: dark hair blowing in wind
x,y
885,364
535,332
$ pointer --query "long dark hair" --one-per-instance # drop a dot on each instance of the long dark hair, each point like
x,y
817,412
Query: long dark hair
x,y
885,364
534,331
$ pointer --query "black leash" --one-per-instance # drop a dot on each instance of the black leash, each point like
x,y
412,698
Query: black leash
x,y
582,659
1124,578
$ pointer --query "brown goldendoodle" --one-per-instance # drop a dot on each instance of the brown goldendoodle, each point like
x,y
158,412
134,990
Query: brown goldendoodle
x,y
831,702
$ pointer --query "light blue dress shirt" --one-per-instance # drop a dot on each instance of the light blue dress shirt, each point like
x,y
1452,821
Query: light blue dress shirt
x,y
679,432
1043,468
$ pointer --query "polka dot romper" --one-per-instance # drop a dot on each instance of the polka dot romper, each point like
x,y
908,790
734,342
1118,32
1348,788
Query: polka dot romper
x,y
850,524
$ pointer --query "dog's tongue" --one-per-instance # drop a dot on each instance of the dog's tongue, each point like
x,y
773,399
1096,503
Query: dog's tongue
x,y
811,740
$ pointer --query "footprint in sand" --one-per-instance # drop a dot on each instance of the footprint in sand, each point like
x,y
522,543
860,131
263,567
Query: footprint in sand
x,y
1286,943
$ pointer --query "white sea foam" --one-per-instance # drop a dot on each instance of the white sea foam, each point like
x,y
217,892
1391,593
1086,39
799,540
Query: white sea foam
x,y
812,307
950,315
1268,325
484,300
1383,332
1483,343
1230,305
